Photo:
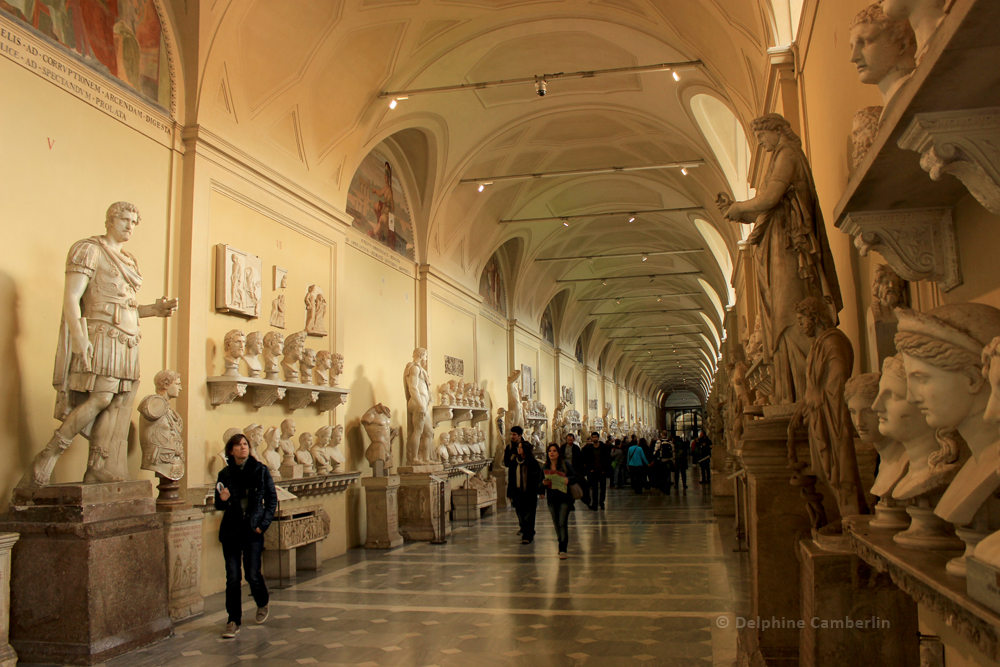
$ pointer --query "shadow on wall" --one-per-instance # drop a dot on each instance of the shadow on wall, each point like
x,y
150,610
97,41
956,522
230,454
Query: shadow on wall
x,y
361,398
213,463
14,435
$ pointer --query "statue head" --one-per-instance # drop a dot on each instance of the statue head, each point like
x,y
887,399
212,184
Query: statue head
x,y
859,394
902,9
287,428
306,440
771,128
338,363
271,438
338,434
120,220
274,342
888,287
254,434
167,384
991,371
420,357
324,360
880,45
863,130
234,344
445,439
308,358
295,344
813,315
254,343
942,353
323,436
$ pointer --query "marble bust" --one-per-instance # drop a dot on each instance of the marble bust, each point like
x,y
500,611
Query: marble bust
x,y
324,362
274,343
442,449
988,551
337,458
942,353
338,368
255,436
295,345
234,347
272,457
306,365
303,455
860,393
286,444
320,455
377,422
883,50
161,428
254,346
924,17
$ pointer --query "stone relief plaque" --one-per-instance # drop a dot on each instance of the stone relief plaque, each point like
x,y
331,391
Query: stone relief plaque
x,y
280,277
237,282
592,404
454,366
527,385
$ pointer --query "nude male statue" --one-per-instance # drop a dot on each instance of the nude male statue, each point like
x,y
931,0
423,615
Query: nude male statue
x,y
417,383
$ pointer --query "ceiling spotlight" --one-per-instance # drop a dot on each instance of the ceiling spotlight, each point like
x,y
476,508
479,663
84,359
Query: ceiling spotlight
x,y
677,77
645,257
540,86
657,299
684,171
604,282
565,223
617,302
392,105
481,187
632,219
396,100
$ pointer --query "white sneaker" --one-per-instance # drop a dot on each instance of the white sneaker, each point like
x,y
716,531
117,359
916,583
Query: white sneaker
x,y
231,631
563,555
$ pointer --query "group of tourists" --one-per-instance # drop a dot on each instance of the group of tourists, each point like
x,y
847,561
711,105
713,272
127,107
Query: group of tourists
x,y
568,473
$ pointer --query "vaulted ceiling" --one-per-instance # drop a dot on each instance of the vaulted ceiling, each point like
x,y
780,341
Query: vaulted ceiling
x,y
296,85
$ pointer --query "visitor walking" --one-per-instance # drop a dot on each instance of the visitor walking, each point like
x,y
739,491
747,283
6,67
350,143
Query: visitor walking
x,y
559,477
527,477
596,456
637,463
681,464
617,464
705,457
244,492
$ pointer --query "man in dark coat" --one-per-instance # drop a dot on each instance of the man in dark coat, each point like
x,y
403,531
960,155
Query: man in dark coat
x,y
596,459
526,476
245,493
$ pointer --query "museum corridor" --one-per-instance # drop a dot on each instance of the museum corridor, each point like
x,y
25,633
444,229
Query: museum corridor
x,y
645,583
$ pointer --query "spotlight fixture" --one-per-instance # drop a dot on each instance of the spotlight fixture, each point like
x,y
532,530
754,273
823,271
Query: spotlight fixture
x,y
604,282
632,219
483,184
617,302
677,77
684,171
396,100
657,299
565,223
645,257
540,86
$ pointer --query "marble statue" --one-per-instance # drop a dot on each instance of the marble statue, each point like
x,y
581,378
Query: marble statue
x,y
319,322
234,347
793,258
988,551
286,444
482,398
254,346
252,286
278,312
924,17
883,50
306,365
446,393
97,357
942,353
831,440
515,411
255,436
442,449
274,343
888,293
295,345
272,457
320,450
310,301
303,455
338,368
236,283
864,128
324,362
161,428
376,422
417,383
337,458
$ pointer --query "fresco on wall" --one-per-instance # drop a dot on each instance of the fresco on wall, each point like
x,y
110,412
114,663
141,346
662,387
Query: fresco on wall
x,y
378,206
545,326
122,38
492,288
579,350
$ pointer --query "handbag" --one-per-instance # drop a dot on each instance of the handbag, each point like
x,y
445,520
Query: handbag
x,y
576,491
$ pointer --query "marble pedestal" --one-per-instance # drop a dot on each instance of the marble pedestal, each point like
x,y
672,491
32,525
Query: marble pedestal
x,y
88,575
723,493
839,589
291,471
182,534
777,520
292,541
421,510
382,510
8,658
499,473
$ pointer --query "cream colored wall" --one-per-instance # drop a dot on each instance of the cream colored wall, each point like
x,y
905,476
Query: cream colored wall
x,y
65,163
493,371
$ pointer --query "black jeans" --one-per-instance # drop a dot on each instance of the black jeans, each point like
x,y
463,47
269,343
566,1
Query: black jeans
x,y
526,509
560,519
638,476
248,550
598,488
681,473
706,471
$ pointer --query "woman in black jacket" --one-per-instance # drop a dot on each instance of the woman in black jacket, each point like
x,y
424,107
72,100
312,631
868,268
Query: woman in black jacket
x,y
245,492
559,476
526,478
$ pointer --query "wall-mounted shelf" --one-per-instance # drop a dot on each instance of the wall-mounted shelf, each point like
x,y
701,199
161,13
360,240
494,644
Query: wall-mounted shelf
x,y
459,414
224,389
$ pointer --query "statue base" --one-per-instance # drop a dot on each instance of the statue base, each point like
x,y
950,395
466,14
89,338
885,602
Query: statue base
x,y
88,576
182,534
425,468
291,471
382,510
8,657
927,531
890,517
424,500
981,582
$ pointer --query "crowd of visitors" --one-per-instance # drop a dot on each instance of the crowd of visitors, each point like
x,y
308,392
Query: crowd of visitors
x,y
568,473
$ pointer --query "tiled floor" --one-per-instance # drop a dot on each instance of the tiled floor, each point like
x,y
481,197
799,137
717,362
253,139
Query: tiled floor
x,y
644,585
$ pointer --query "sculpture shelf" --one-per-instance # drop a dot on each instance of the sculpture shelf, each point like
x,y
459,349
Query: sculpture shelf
x,y
459,413
321,484
921,575
948,113
223,390
536,420
454,469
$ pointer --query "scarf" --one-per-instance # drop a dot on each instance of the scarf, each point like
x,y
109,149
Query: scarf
x,y
522,474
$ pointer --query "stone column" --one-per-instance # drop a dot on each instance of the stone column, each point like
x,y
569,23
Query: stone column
x,y
182,535
381,502
777,520
8,658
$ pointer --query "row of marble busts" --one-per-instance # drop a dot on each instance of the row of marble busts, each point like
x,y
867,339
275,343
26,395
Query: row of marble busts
x,y
534,409
937,406
461,445
317,453
285,354
462,394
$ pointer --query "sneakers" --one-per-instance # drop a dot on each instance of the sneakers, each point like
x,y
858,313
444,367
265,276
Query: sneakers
x,y
231,630
563,555
525,541
262,613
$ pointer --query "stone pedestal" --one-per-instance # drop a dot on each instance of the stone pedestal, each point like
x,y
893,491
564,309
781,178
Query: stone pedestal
x,y
292,541
291,471
723,493
777,520
182,533
420,505
88,575
499,473
8,658
472,502
381,501
848,608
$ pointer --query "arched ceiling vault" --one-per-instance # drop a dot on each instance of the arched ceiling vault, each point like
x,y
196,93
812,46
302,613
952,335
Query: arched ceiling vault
x,y
301,90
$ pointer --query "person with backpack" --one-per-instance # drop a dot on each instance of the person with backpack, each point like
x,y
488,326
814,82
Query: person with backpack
x,y
637,463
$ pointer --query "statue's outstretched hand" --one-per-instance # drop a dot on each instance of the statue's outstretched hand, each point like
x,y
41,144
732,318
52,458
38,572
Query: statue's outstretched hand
x,y
164,307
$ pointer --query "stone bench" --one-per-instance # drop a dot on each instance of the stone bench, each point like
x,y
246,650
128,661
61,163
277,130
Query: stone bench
x,y
292,542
